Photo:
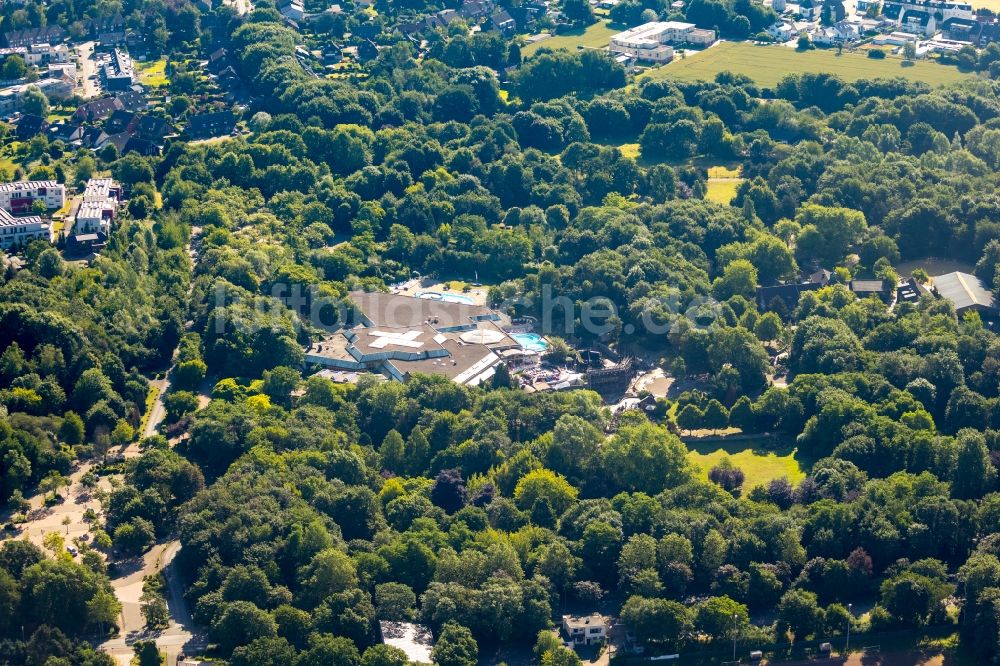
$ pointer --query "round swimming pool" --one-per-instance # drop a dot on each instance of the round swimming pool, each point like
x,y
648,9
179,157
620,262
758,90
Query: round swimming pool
x,y
530,341
447,298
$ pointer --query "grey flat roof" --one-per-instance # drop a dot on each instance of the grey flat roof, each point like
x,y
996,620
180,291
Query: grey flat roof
x,y
397,311
963,290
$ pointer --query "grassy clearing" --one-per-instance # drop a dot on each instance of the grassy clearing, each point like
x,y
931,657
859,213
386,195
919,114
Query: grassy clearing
x,y
723,171
629,150
760,466
768,64
596,36
153,73
722,190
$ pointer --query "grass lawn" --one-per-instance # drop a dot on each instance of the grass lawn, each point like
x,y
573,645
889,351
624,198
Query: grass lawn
x,y
153,73
768,64
722,191
759,465
596,36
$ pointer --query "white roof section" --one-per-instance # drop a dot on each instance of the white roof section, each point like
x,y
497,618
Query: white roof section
x,y
25,185
8,220
482,336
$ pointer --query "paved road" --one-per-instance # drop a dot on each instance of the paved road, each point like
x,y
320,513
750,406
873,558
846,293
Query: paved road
x,y
180,636
91,87
157,413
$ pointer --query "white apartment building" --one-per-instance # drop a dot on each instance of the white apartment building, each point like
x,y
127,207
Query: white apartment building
x,y
651,41
15,231
99,206
20,197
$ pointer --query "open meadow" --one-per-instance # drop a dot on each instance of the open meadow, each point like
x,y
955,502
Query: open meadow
x,y
768,64
596,36
758,464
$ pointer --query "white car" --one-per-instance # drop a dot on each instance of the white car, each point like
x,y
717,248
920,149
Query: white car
x,y
72,550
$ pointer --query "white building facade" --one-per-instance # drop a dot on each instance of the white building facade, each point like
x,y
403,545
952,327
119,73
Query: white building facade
x,y
651,42
19,231
20,197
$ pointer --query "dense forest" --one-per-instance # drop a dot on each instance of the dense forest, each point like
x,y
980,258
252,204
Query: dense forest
x,y
308,510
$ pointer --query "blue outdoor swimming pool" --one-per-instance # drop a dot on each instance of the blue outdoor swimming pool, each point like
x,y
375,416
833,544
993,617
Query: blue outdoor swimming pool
x,y
447,298
530,341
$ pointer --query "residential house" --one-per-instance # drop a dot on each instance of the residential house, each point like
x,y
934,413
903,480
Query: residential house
x,y
119,140
144,147
835,10
65,132
784,296
918,23
30,125
809,9
966,292
18,231
474,11
840,33
293,10
218,60
503,23
152,128
99,109
121,121
211,124
782,31
132,100
585,629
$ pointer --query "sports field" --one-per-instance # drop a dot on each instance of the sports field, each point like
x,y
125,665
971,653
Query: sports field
x,y
768,64
759,466
596,36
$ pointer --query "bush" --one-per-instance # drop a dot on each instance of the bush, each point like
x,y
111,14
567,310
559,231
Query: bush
x,y
876,54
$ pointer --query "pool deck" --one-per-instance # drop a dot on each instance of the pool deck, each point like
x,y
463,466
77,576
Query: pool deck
x,y
477,295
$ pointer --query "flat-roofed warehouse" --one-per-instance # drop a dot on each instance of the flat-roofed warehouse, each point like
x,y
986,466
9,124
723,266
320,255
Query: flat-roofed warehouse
x,y
400,335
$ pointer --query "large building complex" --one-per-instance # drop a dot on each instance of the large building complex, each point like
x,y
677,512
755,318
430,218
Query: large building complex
x,y
17,231
99,206
399,335
651,42
20,197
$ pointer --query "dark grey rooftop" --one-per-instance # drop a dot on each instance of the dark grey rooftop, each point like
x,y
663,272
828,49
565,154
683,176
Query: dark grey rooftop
x,y
963,290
